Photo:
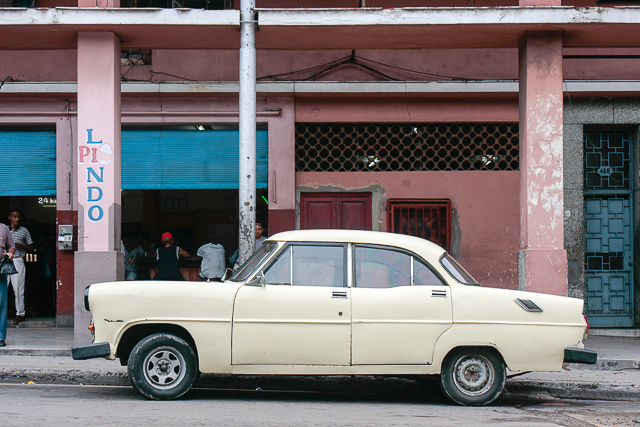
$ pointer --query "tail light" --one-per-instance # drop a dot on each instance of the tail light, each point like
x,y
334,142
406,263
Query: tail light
x,y
586,332
93,332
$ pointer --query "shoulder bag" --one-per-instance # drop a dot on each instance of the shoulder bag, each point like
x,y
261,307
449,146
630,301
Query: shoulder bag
x,y
7,266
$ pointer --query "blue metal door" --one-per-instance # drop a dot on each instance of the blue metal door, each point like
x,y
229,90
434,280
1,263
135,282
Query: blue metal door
x,y
608,229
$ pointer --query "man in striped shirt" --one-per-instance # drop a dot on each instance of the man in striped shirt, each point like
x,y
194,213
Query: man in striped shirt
x,y
23,242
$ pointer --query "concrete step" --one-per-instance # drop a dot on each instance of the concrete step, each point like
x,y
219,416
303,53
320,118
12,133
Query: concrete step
x,y
34,322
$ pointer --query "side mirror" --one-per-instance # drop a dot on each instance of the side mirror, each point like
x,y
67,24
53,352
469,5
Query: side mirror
x,y
258,280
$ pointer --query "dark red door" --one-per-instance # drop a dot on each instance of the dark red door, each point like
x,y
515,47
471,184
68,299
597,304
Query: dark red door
x,y
335,210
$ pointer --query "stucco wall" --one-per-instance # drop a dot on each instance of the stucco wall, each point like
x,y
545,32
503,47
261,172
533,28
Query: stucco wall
x,y
485,222
222,65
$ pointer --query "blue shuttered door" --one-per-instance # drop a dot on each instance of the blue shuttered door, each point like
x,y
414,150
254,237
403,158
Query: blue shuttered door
x,y
27,163
609,262
608,228
182,159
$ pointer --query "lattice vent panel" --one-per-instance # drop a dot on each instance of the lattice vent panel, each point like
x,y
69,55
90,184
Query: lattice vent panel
x,y
341,147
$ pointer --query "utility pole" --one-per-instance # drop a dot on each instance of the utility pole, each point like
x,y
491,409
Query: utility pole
x,y
247,156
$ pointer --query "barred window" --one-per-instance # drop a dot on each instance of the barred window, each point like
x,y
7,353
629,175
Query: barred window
x,y
349,147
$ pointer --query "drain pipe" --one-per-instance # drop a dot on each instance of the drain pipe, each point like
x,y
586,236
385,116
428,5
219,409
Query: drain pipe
x,y
247,119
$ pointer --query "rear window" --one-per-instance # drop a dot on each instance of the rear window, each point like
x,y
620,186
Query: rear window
x,y
456,270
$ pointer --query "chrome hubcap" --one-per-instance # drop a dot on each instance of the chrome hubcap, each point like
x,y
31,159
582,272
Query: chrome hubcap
x,y
473,375
164,368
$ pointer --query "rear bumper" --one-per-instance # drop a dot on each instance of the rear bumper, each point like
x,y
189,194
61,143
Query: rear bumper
x,y
91,351
578,355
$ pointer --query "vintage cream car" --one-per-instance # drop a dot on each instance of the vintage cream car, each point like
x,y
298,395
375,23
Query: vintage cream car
x,y
335,302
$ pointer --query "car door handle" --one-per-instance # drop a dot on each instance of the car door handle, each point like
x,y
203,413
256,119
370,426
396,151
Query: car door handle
x,y
341,294
439,293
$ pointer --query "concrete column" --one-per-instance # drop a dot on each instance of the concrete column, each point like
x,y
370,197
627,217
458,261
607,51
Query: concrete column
x,y
282,169
542,259
66,214
98,169
247,132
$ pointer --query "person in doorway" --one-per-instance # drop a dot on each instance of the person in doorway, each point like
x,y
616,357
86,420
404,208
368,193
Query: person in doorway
x,y
259,236
132,253
7,246
168,256
213,265
146,260
23,243
259,241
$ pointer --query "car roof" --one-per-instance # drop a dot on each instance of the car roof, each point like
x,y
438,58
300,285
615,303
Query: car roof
x,y
415,244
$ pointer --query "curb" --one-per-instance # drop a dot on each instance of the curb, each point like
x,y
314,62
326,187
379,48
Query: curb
x,y
56,352
30,324
573,390
63,377
606,365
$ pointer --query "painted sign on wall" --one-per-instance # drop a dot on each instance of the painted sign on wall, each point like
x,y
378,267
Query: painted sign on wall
x,y
94,156
96,182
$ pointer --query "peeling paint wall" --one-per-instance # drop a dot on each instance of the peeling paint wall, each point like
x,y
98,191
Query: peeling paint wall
x,y
542,259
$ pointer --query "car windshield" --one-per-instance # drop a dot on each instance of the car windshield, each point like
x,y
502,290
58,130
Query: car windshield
x,y
256,259
457,271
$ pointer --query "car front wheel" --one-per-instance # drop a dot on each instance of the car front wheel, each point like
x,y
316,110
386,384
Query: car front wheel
x,y
473,376
162,367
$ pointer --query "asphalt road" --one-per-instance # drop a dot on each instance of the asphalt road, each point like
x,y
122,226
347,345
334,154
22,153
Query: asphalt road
x,y
76,405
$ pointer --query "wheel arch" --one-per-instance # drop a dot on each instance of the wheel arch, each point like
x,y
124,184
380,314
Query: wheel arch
x,y
489,347
137,332
441,356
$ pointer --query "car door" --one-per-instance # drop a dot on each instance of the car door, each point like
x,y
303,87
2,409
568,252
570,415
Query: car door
x,y
400,307
300,315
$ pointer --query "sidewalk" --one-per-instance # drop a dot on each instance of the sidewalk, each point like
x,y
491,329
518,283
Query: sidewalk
x,y
43,355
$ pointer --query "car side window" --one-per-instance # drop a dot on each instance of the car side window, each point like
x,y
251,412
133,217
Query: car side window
x,y
423,275
381,268
280,271
308,265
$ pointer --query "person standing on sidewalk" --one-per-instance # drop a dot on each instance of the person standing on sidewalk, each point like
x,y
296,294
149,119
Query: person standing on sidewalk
x,y
23,243
8,248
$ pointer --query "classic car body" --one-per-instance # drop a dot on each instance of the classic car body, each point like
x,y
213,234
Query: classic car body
x,y
335,302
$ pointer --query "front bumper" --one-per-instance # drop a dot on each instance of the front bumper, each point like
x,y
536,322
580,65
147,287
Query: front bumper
x,y
91,351
578,355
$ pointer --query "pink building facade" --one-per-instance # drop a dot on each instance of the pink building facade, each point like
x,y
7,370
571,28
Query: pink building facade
x,y
505,131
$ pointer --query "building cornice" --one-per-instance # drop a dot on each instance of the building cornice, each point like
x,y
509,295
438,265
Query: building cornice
x,y
630,87
365,28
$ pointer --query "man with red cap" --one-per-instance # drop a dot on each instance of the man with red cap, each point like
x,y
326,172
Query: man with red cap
x,y
169,259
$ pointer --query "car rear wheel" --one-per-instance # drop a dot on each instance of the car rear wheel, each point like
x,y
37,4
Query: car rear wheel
x,y
162,367
473,376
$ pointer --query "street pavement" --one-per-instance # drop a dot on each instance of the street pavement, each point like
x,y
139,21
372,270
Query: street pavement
x,y
42,355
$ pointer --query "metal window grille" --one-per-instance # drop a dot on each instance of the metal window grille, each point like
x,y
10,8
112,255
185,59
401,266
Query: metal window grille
x,y
607,161
430,220
343,147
